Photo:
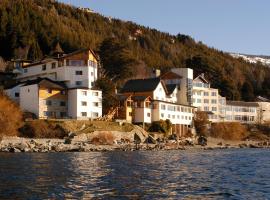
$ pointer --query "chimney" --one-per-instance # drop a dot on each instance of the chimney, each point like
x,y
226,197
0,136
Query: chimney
x,y
155,73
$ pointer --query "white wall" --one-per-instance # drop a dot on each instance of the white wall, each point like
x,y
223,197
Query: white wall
x,y
63,73
264,112
141,115
76,98
29,99
11,93
180,115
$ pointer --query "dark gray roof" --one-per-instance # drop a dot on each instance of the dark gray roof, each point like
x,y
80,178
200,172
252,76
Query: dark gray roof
x,y
242,103
52,83
141,85
139,98
171,88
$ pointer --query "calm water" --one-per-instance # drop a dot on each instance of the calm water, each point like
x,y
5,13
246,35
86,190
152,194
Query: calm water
x,y
219,174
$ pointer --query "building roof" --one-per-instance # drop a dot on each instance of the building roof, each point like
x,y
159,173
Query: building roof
x,y
45,82
140,98
242,103
202,77
170,88
141,85
262,99
43,61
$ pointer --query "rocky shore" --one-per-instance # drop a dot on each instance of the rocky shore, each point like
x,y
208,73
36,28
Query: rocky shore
x,y
16,145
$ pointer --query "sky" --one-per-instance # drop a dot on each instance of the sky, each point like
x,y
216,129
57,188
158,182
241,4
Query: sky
x,y
240,26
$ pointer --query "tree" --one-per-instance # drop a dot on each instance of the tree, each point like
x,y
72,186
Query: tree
x,y
10,117
3,64
247,91
109,99
117,60
201,123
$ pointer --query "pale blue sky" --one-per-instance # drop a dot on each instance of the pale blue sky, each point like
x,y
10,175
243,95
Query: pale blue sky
x,y
229,25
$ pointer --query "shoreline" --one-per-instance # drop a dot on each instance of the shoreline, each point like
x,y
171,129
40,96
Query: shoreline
x,y
28,145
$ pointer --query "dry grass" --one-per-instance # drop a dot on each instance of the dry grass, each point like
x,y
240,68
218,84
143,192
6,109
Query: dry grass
x,y
103,138
10,117
229,131
42,129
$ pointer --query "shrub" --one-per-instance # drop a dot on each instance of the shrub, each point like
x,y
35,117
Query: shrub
x,y
10,117
201,123
103,138
42,129
161,126
228,131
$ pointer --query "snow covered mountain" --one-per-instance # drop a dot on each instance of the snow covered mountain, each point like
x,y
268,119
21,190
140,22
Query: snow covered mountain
x,y
265,60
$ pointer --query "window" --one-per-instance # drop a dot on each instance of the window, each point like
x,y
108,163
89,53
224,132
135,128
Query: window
x,y
84,103
47,113
92,73
43,67
199,93
206,108
84,114
206,93
95,104
173,116
94,114
25,70
53,65
48,102
213,101
148,115
78,82
214,94
162,115
49,91
130,114
169,116
163,107
199,100
79,73
28,90
206,100
62,103
63,114
17,94
63,92
84,93
214,108
95,94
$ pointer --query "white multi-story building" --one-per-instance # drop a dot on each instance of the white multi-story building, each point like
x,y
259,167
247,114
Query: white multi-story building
x,y
163,104
78,71
240,111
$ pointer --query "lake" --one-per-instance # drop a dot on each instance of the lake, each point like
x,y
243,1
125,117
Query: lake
x,y
194,174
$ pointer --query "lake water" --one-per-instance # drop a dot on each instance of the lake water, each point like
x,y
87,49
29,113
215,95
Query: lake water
x,y
217,174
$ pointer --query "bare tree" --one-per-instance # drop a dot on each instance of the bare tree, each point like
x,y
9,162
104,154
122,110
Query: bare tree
x,y
3,65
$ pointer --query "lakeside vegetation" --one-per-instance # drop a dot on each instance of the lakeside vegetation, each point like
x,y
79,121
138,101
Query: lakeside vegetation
x,y
31,28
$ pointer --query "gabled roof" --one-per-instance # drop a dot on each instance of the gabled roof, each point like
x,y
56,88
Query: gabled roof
x,y
61,57
201,77
170,88
141,85
170,75
242,103
140,98
46,82
262,99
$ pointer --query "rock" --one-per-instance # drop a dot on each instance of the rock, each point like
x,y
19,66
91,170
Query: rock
x,y
14,150
220,144
253,146
244,145
202,141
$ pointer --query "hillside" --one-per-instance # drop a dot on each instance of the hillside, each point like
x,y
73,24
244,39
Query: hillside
x,y
31,28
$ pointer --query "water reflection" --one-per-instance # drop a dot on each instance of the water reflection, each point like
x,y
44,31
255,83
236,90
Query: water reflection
x,y
232,174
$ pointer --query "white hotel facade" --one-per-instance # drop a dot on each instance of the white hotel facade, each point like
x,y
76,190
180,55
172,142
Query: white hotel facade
x,y
76,72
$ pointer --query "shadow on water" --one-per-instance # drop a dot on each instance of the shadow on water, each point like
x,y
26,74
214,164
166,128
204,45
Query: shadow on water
x,y
226,174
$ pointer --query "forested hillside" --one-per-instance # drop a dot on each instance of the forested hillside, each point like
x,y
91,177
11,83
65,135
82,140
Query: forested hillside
x,y
31,28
